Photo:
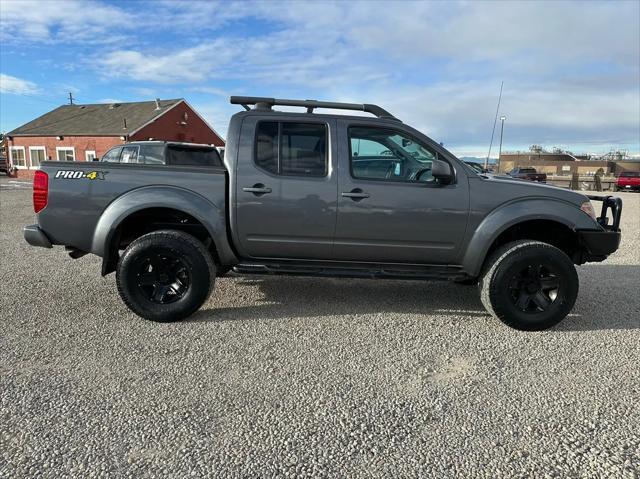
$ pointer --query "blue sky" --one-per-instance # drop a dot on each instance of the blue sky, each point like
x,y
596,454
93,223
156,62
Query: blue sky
x,y
571,70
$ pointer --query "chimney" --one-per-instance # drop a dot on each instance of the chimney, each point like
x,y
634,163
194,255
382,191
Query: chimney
x,y
157,103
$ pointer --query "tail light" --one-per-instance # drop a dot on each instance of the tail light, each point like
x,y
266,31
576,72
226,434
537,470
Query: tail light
x,y
40,190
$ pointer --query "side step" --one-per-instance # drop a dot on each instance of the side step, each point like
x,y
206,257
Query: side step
x,y
352,270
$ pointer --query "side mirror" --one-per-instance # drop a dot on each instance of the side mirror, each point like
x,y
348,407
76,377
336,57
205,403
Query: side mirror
x,y
441,171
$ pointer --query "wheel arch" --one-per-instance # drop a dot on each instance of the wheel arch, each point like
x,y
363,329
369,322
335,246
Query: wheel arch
x,y
145,210
551,221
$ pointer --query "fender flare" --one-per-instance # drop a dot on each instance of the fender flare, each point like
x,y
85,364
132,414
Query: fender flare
x,y
206,212
520,211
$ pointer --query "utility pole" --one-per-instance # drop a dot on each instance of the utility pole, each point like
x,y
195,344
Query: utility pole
x,y
502,119
70,98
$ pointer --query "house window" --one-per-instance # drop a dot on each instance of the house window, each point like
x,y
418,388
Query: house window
x,y
37,154
17,156
65,153
90,155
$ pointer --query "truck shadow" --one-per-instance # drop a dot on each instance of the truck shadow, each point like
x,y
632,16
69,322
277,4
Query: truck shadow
x,y
608,299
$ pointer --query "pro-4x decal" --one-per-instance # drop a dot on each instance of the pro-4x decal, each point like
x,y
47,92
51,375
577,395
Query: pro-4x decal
x,y
79,174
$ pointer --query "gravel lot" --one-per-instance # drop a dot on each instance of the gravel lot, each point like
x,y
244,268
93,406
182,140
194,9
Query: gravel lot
x,y
295,377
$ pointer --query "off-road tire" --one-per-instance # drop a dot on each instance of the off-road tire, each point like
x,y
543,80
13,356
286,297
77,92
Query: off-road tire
x,y
195,261
500,272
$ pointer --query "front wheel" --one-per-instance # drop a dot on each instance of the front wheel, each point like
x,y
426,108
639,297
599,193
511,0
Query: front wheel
x,y
529,285
165,275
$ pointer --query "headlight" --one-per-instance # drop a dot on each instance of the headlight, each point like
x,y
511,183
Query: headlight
x,y
587,207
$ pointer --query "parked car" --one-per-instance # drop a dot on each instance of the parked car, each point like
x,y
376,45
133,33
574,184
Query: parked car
x,y
4,165
529,174
164,153
325,195
628,181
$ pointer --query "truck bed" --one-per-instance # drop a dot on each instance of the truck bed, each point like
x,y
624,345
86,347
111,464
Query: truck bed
x,y
79,193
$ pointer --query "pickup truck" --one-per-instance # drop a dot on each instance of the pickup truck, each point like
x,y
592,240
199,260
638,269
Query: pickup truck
x,y
302,193
529,174
164,153
628,181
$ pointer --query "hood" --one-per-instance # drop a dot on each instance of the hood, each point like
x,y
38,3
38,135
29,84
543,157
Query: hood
x,y
522,188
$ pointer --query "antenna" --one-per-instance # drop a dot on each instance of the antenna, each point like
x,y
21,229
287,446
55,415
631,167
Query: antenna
x,y
70,98
486,162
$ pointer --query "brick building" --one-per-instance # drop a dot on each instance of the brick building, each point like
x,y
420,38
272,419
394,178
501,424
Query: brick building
x,y
564,164
84,132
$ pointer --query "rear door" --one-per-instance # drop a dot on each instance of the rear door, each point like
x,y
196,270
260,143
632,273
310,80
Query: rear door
x,y
286,188
390,208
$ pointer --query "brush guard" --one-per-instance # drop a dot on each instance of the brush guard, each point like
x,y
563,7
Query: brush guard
x,y
615,206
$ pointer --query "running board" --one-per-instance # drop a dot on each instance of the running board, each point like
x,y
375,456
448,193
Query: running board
x,y
357,270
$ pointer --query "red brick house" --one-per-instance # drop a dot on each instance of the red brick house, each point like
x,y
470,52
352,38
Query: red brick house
x,y
84,132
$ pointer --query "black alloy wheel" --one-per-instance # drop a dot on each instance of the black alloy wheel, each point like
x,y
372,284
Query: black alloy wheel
x,y
529,285
165,275
163,278
534,288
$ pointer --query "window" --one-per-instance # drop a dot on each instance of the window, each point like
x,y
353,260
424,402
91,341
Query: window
x,y
17,156
65,153
37,155
129,154
267,147
177,155
113,155
385,154
293,149
151,154
90,155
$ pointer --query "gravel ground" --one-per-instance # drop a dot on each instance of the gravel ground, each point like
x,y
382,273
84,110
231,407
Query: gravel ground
x,y
295,377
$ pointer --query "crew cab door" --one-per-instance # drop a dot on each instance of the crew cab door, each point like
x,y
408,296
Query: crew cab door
x,y
285,188
390,208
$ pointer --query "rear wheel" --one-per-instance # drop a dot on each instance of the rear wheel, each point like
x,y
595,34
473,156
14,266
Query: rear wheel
x,y
165,275
529,285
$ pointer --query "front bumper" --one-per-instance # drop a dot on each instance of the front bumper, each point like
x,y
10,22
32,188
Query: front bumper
x,y
36,237
599,243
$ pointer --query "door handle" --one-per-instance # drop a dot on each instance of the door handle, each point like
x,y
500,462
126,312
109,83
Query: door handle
x,y
356,194
257,189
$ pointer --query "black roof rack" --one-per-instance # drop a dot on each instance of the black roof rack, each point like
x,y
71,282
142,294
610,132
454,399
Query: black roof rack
x,y
262,103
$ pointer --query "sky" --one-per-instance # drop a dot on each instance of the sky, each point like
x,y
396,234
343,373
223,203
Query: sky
x,y
571,70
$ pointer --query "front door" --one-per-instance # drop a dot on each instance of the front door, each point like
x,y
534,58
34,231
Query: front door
x,y
286,189
390,208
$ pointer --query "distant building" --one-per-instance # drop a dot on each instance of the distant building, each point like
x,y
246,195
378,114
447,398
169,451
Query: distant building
x,y
85,132
564,163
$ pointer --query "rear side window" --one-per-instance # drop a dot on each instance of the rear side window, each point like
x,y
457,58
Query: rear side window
x,y
267,146
129,154
113,155
292,149
177,155
151,154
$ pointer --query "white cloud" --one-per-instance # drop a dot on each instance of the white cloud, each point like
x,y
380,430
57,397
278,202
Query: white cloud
x,y
17,86
571,69
61,20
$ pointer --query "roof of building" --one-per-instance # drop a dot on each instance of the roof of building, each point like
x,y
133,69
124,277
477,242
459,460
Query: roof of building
x,y
100,119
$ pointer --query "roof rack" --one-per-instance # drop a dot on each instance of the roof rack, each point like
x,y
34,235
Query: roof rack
x,y
262,103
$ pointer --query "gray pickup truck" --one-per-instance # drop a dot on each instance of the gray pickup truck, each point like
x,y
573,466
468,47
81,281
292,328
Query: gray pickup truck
x,y
302,193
